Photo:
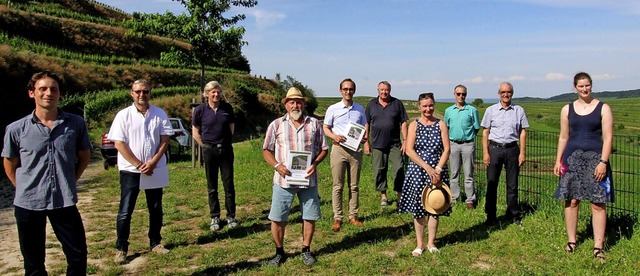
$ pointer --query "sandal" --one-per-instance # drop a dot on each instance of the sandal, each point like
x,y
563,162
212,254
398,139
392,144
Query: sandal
x,y
571,246
417,252
598,254
434,250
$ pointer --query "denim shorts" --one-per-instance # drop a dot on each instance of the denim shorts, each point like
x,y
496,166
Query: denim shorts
x,y
282,199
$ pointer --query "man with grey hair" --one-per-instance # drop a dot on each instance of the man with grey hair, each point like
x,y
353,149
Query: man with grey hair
x,y
504,138
213,124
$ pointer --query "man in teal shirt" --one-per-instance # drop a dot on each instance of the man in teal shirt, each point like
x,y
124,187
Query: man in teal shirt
x,y
463,122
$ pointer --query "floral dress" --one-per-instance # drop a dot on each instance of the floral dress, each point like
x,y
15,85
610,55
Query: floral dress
x,y
429,147
580,158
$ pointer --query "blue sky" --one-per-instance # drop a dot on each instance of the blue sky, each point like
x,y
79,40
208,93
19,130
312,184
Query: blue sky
x,y
431,46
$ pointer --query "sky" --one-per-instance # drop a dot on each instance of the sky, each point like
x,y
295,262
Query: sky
x,y
433,45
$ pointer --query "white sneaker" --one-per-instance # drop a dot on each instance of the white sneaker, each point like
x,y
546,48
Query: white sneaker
x,y
121,257
232,223
215,224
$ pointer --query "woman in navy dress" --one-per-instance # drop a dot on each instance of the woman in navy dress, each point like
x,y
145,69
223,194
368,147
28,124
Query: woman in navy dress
x,y
428,148
582,161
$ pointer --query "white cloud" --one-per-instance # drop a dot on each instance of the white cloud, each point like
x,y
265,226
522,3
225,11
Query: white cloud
x,y
555,76
605,76
516,78
474,80
266,19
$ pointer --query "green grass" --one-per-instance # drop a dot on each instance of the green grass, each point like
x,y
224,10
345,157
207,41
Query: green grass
x,y
382,246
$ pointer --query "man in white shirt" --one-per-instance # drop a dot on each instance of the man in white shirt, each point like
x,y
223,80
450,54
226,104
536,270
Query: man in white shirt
x,y
337,121
141,134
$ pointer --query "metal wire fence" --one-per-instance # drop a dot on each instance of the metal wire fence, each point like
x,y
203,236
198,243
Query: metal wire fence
x,y
537,183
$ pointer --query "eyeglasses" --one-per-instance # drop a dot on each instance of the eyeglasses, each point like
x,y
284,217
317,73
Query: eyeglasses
x,y
461,94
348,89
146,92
506,92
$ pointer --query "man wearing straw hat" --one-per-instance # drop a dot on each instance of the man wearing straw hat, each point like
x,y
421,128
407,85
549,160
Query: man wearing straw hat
x,y
294,133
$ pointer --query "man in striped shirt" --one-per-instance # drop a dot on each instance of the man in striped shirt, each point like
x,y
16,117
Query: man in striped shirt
x,y
294,132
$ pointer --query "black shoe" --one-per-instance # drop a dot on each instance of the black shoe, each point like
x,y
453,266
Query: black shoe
x,y
307,258
490,222
517,221
277,260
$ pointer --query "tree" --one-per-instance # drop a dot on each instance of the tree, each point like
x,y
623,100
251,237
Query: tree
x,y
211,34
477,102
312,102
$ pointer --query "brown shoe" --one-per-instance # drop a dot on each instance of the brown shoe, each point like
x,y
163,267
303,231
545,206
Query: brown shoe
x,y
470,205
356,222
336,225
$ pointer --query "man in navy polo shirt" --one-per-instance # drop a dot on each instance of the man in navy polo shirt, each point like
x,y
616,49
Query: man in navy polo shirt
x,y
386,120
45,154
213,126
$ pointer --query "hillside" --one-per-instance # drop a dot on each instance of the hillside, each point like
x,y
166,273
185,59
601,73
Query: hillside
x,y
85,42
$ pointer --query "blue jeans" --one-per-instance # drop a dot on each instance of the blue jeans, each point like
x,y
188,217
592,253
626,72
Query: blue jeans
x,y
129,189
68,227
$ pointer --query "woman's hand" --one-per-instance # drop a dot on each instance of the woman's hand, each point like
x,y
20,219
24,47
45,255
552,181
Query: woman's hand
x,y
600,172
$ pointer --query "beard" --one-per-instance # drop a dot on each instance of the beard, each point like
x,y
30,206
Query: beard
x,y
295,114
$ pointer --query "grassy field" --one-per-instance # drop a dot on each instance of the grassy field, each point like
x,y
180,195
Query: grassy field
x,y
382,246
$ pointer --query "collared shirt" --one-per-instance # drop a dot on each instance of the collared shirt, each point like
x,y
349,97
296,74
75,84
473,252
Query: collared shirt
x,y
214,125
504,124
142,134
463,123
339,115
282,137
46,177
385,122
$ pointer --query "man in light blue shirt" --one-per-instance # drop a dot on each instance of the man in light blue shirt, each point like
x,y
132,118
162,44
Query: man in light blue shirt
x,y
45,154
337,121
504,125
463,122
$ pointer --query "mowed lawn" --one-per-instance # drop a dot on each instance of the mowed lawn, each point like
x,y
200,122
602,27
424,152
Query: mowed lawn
x,y
382,246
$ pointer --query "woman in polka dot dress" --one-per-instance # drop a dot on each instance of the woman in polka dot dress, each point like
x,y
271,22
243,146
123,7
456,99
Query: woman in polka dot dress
x,y
428,148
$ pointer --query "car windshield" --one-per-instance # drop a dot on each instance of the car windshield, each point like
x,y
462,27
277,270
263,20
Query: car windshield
x,y
175,124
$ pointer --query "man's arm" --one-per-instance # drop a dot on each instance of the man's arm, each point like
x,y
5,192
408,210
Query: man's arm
x,y
403,130
485,147
126,152
232,126
147,168
84,156
523,147
195,133
10,167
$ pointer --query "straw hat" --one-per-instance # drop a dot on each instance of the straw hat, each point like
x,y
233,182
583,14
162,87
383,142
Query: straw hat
x,y
293,93
436,198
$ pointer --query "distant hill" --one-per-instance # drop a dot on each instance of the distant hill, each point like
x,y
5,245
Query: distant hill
x,y
567,97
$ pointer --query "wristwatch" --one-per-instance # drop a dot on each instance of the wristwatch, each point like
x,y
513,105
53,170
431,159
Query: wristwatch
x,y
604,161
276,166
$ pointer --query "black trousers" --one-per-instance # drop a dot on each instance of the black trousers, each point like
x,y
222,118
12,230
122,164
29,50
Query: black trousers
x,y
67,225
507,158
219,158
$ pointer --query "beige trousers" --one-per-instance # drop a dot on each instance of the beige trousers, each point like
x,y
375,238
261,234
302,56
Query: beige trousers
x,y
345,162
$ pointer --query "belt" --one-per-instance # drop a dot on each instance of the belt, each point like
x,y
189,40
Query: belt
x,y
462,141
214,145
503,145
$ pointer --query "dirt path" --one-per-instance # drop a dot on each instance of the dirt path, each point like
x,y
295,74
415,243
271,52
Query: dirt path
x,y
10,256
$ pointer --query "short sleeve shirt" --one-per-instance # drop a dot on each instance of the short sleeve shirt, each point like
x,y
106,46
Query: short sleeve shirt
x,y
504,124
463,123
142,134
46,177
282,137
339,115
385,122
214,125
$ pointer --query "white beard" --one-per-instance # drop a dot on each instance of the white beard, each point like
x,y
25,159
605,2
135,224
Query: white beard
x,y
295,114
